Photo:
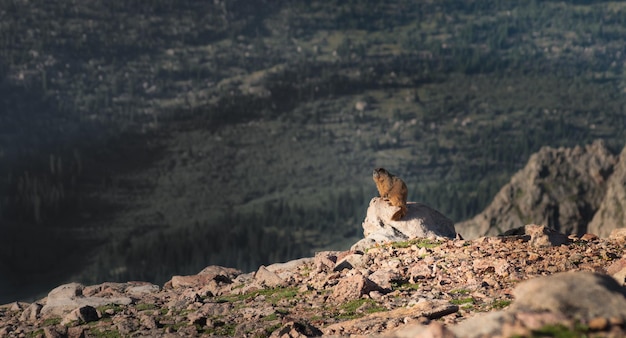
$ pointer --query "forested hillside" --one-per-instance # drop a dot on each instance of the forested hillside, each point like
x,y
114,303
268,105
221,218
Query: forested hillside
x,y
143,139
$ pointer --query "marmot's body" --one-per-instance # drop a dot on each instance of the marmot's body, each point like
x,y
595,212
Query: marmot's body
x,y
393,189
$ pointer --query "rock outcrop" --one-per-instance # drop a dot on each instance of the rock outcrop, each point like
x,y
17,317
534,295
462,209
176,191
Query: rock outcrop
x,y
612,211
420,221
596,295
559,187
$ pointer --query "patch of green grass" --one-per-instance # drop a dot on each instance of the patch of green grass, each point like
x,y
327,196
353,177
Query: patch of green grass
x,y
405,286
271,317
36,333
52,321
233,298
145,306
500,304
460,292
560,331
282,312
460,301
277,294
316,317
272,295
272,328
306,270
349,309
115,307
419,242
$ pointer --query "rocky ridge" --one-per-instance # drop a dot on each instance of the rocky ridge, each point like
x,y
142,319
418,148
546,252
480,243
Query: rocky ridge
x,y
573,190
610,214
426,286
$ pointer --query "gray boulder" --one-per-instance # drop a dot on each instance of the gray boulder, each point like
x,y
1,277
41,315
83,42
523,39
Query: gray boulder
x,y
267,278
573,296
579,295
69,297
420,221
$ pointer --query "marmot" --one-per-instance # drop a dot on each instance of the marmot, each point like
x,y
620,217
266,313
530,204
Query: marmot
x,y
392,189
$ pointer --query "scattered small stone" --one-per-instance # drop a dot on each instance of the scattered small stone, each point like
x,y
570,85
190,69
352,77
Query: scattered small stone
x,y
353,287
589,237
267,278
56,331
84,314
76,332
31,313
618,235
147,322
598,324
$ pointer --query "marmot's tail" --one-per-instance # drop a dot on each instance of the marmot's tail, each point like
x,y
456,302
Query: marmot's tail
x,y
399,214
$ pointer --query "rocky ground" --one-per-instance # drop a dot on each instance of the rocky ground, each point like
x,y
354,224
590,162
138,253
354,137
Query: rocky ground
x,y
437,287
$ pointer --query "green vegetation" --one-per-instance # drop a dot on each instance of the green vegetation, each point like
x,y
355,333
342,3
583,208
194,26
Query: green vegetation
x,y
272,328
36,333
273,295
460,292
500,304
145,306
52,321
228,132
273,316
358,308
461,301
418,242
561,331
110,307
405,285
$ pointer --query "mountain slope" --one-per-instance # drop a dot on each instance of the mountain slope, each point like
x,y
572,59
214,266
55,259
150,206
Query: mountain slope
x,y
559,187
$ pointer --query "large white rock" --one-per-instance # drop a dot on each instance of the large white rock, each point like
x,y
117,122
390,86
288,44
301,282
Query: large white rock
x,y
419,222
69,297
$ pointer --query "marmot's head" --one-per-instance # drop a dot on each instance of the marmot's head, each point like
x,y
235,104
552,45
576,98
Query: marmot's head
x,y
378,172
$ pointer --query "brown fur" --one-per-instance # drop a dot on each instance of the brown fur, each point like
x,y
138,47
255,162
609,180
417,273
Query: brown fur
x,y
392,189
